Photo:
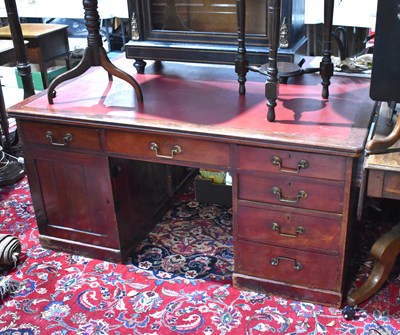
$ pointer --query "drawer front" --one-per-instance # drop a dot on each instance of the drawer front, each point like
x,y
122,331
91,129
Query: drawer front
x,y
287,265
297,192
383,184
287,229
292,163
164,147
57,136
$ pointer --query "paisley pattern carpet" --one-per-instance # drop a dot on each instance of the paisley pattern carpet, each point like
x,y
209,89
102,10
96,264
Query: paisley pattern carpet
x,y
179,283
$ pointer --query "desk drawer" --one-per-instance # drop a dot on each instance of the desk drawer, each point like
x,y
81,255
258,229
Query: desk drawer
x,y
293,230
164,147
292,163
57,136
287,265
383,184
321,195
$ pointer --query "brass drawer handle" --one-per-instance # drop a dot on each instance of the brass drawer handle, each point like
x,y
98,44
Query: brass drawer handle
x,y
299,230
300,195
302,164
175,150
66,139
297,265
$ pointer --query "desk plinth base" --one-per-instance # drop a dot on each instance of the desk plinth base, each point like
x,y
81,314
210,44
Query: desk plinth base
x,y
86,249
295,292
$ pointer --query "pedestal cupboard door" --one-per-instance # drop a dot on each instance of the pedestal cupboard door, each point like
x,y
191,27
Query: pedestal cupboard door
x,y
72,196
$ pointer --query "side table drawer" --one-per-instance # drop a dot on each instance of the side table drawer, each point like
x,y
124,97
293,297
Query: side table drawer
x,y
291,163
287,265
156,146
293,230
57,136
321,195
383,184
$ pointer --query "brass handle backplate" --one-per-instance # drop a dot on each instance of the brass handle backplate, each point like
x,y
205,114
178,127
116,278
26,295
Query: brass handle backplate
x,y
175,150
67,138
299,230
300,195
297,265
302,164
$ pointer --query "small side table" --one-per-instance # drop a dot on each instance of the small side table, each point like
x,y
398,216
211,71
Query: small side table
x,y
381,179
46,42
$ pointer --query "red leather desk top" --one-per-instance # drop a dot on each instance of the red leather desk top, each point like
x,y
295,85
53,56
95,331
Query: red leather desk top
x,y
204,100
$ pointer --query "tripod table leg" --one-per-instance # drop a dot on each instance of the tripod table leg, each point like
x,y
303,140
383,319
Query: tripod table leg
x,y
385,251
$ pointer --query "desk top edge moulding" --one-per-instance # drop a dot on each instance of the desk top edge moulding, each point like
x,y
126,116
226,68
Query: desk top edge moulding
x,y
94,55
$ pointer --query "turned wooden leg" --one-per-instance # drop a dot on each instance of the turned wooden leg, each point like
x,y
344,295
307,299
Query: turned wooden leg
x,y
241,63
272,84
326,66
21,54
140,65
385,252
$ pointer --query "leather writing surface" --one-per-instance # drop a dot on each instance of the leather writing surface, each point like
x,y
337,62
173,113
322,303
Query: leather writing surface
x,y
385,78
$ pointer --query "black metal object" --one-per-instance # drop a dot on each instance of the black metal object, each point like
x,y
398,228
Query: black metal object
x,y
385,76
349,313
340,37
6,143
11,170
94,55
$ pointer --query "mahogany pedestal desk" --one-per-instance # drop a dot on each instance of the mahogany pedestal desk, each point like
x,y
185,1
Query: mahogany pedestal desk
x,y
96,162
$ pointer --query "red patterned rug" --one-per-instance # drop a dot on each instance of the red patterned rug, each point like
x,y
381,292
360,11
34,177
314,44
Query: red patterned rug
x,y
179,283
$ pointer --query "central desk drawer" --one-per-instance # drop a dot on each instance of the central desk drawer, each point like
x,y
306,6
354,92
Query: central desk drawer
x,y
287,265
164,147
60,136
307,193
